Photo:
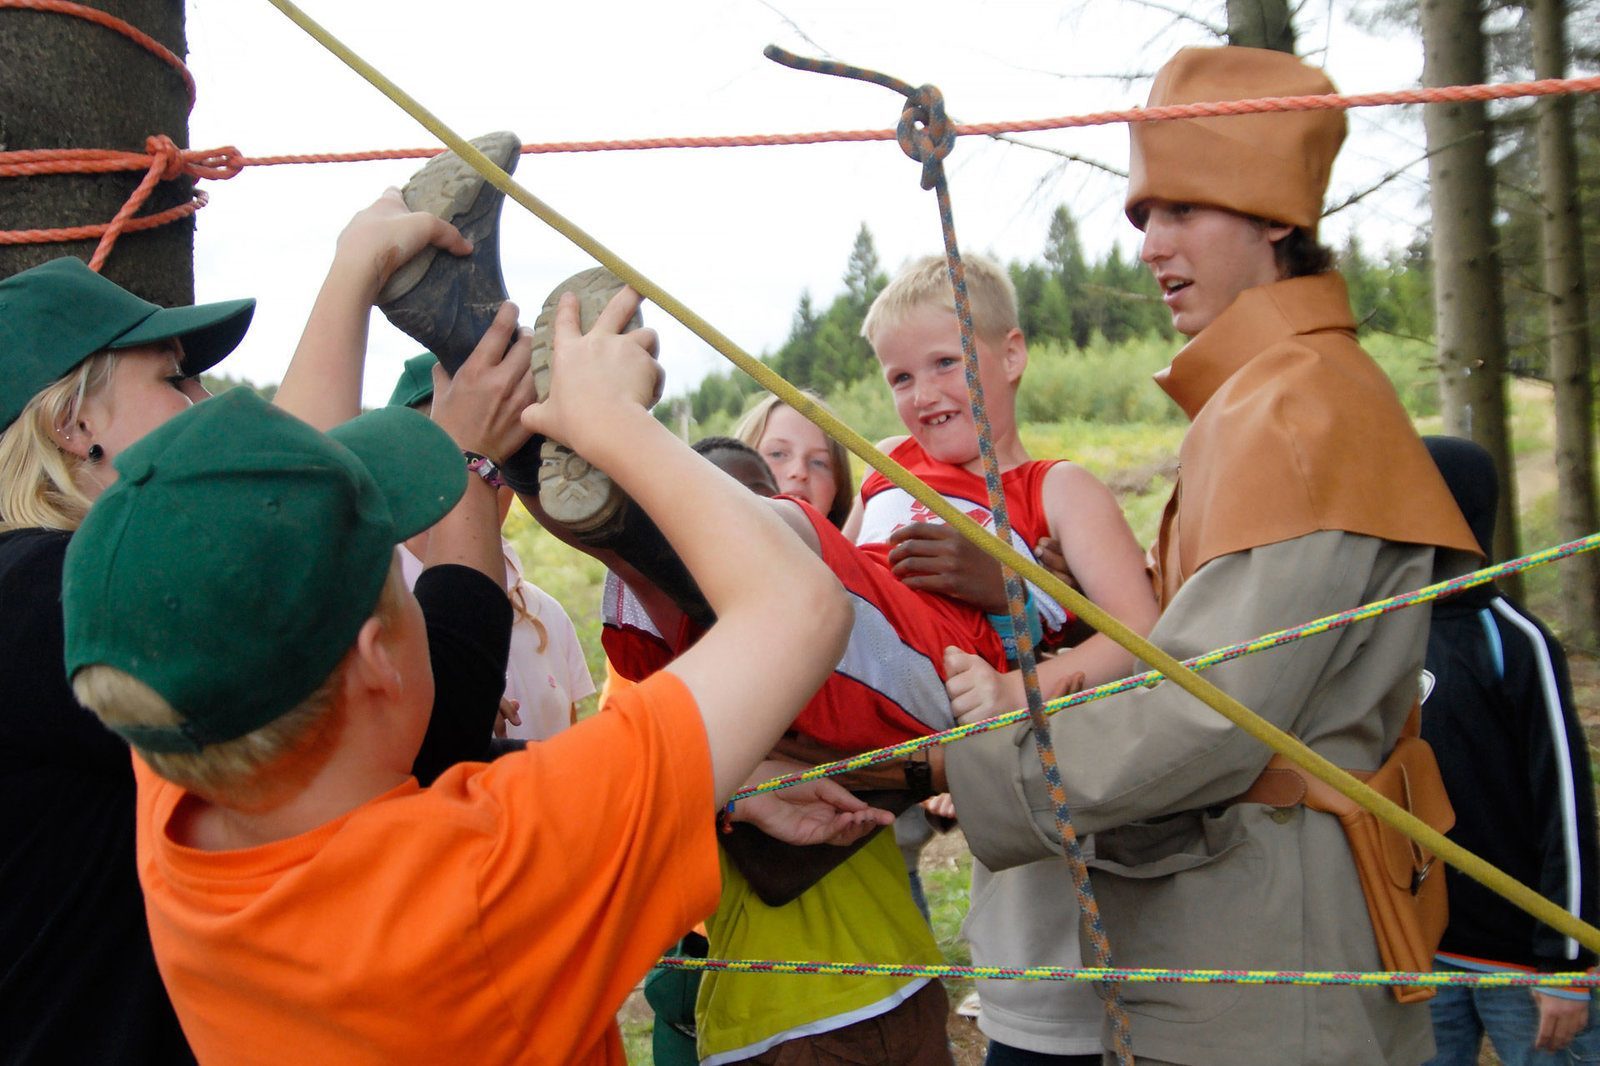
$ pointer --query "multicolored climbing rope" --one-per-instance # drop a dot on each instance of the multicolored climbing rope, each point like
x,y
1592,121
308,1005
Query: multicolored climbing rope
x,y
1145,975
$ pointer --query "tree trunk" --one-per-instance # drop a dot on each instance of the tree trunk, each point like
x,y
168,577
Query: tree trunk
x,y
1468,313
69,83
1261,24
1567,311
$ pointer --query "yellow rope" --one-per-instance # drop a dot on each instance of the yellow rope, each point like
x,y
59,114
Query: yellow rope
x,y
1285,744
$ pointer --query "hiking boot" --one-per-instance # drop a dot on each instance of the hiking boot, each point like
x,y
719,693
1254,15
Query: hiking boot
x,y
445,302
581,498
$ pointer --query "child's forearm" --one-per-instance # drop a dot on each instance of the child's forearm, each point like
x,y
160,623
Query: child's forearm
x,y
781,616
323,383
470,534
1099,659
732,543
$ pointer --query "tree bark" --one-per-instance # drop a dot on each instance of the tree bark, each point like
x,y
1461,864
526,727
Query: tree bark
x,y
69,83
1468,311
1567,312
1261,24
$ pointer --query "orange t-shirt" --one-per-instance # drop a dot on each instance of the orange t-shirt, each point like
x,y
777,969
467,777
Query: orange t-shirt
x,y
501,915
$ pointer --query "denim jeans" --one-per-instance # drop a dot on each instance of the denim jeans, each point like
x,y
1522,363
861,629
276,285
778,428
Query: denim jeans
x,y
1510,1017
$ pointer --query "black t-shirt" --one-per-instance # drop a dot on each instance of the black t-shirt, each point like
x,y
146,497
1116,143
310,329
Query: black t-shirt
x,y
78,981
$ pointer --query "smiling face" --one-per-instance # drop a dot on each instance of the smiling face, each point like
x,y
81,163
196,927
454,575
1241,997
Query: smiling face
x,y
922,364
796,452
1204,257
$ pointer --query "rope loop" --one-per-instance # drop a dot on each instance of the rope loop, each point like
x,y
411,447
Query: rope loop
x,y
925,133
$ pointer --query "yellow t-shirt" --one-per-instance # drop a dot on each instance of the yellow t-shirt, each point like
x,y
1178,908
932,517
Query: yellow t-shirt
x,y
861,911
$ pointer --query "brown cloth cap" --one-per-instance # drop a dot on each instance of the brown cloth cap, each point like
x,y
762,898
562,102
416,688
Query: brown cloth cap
x,y
1273,166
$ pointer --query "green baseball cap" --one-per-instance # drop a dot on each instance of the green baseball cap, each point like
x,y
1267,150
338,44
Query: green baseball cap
x,y
59,313
239,552
416,381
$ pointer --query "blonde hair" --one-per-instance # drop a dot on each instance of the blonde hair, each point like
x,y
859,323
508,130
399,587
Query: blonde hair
x,y
753,426
520,611
246,772
38,479
926,282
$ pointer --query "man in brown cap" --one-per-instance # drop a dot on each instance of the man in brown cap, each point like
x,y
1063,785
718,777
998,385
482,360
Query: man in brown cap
x,y
1302,490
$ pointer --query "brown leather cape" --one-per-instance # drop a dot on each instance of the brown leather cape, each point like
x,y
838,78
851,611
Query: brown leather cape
x,y
1294,429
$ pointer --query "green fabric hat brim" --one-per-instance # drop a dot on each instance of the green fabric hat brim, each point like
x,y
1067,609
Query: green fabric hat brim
x,y
208,332
418,469
416,381
57,314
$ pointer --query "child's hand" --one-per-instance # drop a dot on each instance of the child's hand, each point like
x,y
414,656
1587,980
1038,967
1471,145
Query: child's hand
x,y
933,557
380,238
1053,559
595,372
977,690
481,407
507,716
817,812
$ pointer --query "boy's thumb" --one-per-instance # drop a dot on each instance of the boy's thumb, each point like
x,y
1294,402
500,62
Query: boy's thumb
x,y
956,660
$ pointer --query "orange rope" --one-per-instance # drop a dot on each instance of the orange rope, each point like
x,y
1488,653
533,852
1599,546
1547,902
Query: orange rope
x,y
1261,105
162,160
111,22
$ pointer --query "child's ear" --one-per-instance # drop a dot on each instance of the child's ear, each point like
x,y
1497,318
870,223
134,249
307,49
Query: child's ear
x,y
372,668
1015,354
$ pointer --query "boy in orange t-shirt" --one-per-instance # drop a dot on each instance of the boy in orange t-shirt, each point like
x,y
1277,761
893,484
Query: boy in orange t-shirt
x,y
308,901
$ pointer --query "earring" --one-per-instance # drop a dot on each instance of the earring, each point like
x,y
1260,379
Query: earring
x,y
96,453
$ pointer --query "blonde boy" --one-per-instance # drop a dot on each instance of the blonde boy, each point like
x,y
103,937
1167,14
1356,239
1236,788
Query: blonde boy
x,y
912,328
308,901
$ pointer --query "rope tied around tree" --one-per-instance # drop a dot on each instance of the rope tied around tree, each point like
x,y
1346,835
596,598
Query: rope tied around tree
x,y
925,136
162,159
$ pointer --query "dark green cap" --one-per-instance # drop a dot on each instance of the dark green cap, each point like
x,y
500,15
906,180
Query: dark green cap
x,y
416,381
59,313
239,552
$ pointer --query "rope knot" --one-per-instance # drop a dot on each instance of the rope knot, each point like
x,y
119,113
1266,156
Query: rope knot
x,y
165,154
924,133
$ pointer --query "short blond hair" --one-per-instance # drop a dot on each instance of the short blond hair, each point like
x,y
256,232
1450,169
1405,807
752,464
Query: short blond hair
x,y
38,480
247,772
753,426
926,282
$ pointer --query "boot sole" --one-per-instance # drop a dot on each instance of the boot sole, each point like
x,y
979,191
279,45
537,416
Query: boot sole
x,y
580,496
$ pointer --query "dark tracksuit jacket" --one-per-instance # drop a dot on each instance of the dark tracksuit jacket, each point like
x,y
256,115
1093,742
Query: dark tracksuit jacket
x,y
1500,718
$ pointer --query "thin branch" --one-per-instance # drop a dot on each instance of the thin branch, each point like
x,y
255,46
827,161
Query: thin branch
x,y
1179,15
1070,157
795,26
1397,172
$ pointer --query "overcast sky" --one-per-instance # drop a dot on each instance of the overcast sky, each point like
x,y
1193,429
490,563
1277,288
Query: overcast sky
x,y
735,233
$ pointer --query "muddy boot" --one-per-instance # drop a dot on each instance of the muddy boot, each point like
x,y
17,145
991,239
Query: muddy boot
x,y
445,302
580,498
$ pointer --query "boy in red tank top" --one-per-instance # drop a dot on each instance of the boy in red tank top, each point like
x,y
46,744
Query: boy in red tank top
x,y
913,330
